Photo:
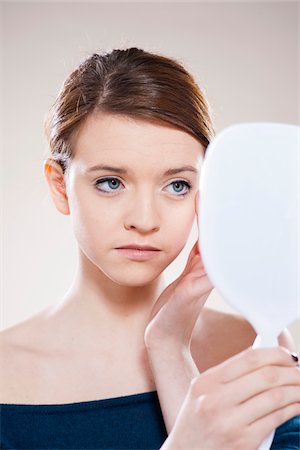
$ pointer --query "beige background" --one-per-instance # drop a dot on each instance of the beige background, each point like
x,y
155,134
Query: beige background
x,y
245,55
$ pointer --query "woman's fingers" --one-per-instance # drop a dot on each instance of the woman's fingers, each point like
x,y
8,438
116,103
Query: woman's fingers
x,y
269,378
194,251
237,403
269,401
252,359
240,365
194,257
274,420
254,381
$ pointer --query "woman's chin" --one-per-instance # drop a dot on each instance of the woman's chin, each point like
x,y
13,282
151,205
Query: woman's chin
x,y
134,277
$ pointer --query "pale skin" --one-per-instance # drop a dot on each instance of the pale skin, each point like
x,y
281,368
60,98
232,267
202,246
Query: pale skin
x,y
112,294
100,322
103,316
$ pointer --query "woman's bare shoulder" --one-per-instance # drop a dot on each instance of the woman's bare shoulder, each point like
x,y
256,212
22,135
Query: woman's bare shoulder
x,y
220,335
18,356
15,367
17,338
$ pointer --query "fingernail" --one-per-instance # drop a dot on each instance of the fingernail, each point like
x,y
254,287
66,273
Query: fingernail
x,y
294,356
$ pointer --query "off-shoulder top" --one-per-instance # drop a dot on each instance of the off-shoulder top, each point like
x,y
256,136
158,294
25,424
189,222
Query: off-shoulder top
x,y
128,422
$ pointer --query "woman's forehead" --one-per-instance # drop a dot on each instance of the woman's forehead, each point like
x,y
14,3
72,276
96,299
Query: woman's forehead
x,y
113,140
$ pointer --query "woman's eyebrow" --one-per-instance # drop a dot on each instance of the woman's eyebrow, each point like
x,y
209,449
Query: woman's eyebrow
x,y
122,170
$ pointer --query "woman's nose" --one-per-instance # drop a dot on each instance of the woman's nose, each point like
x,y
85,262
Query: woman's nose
x,y
142,214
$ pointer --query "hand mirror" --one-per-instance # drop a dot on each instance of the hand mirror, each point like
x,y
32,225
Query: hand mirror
x,y
249,224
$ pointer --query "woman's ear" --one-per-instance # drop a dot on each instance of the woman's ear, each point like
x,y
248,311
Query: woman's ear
x,y
56,182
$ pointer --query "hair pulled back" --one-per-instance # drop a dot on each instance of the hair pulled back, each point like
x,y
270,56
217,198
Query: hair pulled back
x,y
133,83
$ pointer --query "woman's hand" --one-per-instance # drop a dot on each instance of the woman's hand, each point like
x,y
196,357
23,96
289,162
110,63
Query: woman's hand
x,y
177,309
236,404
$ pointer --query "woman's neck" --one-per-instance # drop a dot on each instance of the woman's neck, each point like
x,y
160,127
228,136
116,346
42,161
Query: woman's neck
x,y
95,311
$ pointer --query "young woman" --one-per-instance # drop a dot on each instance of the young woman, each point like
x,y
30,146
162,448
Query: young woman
x,y
123,361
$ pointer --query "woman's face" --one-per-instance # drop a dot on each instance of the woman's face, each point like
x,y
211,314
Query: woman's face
x,y
145,205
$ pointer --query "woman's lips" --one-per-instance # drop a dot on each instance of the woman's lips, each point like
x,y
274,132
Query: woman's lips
x,y
137,255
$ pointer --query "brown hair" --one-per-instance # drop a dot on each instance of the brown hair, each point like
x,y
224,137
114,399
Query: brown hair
x,y
133,83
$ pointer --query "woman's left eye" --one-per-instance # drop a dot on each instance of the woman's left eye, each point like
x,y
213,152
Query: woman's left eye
x,y
182,183
114,181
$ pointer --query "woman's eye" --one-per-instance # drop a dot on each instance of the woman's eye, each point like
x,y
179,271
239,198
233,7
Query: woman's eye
x,y
178,185
113,183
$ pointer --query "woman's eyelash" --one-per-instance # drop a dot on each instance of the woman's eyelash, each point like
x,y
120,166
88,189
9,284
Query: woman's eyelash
x,y
100,181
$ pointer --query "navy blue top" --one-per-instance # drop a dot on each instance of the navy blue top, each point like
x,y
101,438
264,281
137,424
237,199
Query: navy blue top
x,y
128,422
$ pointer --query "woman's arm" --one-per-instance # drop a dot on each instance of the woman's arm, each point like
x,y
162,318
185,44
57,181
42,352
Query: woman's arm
x,y
173,368
249,415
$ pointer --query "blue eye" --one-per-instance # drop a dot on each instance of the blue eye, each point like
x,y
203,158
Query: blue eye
x,y
105,180
113,181
182,183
